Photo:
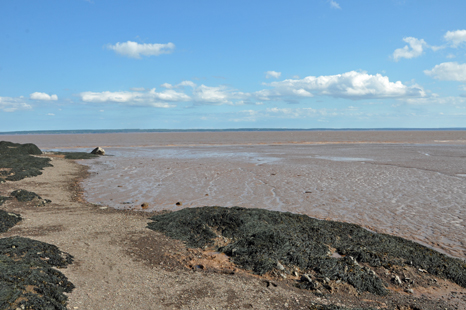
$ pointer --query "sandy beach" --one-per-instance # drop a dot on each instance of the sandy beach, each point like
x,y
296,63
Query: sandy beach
x,y
120,264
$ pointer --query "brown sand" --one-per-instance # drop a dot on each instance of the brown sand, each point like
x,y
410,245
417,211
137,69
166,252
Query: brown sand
x,y
120,264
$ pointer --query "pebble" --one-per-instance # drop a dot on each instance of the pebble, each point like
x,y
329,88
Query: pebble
x,y
396,279
280,266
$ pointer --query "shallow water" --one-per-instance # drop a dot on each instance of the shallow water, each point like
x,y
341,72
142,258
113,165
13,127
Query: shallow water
x,y
412,185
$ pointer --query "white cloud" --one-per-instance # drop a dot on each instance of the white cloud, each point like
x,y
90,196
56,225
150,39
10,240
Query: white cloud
x,y
206,94
448,71
353,85
450,56
436,100
334,5
456,38
50,114
180,85
137,89
415,49
43,96
272,74
148,98
9,104
135,50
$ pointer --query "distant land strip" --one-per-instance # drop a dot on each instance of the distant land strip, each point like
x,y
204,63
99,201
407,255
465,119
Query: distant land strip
x,y
96,131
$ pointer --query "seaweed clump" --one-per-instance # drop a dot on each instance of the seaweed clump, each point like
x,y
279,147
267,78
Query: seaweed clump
x,y
24,195
17,161
27,279
76,155
8,220
262,240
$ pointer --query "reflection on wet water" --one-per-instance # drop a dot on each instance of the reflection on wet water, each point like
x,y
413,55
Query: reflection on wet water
x,y
411,184
395,189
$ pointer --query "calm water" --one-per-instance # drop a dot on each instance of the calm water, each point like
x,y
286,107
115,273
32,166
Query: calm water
x,y
410,184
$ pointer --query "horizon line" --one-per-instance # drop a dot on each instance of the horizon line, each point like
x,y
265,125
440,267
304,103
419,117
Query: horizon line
x,y
90,131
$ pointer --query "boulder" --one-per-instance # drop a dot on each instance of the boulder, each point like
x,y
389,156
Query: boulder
x,y
98,151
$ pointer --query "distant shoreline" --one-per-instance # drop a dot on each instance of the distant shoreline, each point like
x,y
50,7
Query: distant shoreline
x,y
101,131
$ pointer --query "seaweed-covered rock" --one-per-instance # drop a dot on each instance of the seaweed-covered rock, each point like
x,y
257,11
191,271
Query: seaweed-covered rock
x,y
18,162
27,279
24,195
260,238
8,220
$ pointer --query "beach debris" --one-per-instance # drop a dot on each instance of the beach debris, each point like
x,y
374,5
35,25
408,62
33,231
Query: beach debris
x,y
260,238
98,151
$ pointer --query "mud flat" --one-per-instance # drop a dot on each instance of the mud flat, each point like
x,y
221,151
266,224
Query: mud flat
x,y
118,263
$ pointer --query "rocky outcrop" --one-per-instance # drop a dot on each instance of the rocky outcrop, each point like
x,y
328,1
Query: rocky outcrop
x,y
98,151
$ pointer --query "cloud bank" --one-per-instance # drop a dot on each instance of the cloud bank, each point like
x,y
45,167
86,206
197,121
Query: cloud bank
x,y
352,85
135,50
448,71
9,104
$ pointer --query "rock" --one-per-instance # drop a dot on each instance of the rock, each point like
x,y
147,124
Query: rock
x,y
306,277
396,280
145,205
280,266
410,291
98,151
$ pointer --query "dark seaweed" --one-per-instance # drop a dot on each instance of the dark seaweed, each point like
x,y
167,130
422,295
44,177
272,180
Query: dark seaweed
x,y
3,199
18,159
77,155
24,195
27,277
260,238
8,220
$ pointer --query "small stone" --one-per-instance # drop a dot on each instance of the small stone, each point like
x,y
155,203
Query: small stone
x,y
178,203
280,266
145,205
103,208
306,277
396,280
410,291
295,274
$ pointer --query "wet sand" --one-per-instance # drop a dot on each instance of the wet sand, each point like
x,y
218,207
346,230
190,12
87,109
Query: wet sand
x,y
411,184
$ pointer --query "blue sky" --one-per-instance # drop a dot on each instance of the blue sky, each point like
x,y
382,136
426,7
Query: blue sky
x,y
104,64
